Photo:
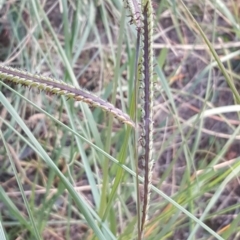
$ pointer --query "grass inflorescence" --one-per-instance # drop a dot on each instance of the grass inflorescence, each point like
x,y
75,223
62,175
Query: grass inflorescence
x,y
60,88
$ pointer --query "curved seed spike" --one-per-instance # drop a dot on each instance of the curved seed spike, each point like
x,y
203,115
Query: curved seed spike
x,y
60,88
147,117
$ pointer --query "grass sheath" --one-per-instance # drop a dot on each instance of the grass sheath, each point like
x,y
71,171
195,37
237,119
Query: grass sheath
x,y
53,86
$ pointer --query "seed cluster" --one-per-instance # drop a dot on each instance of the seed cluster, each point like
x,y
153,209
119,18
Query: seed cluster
x,y
147,103
142,17
53,86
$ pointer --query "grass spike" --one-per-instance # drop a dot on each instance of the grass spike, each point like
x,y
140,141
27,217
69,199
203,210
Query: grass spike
x,y
147,104
53,86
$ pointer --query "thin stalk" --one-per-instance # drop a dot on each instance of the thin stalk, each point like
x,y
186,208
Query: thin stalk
x,y
136,85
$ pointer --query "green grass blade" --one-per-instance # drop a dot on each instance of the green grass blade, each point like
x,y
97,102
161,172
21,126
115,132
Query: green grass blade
x,y
77,198
13,209
32,221
2,233
215,55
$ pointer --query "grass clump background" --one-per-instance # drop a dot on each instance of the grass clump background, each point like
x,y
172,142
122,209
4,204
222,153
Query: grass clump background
x,y
49,143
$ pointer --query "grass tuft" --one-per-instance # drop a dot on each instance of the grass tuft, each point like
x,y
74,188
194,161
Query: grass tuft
x,y
70,171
